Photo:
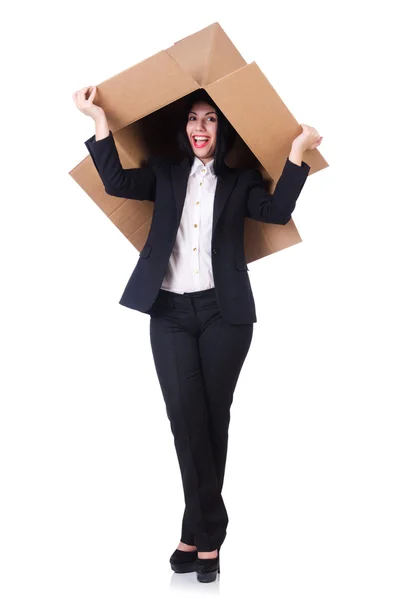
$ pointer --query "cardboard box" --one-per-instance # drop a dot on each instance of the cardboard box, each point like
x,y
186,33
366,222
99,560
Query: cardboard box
x,y
141,104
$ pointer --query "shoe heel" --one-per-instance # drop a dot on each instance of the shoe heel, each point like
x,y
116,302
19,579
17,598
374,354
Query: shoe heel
x,y
208,577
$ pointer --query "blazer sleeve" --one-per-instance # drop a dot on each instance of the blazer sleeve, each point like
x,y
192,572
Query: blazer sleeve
x,y
279,206
135,184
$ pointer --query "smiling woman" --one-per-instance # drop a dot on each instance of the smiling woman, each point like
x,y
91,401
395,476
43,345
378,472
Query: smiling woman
x,y
204,130
201,130
192,279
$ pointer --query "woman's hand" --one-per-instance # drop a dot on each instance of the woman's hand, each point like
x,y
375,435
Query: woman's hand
x,y
86,105
309,139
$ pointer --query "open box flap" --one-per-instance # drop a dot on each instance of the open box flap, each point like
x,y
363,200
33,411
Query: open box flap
x,y
131,217
263,121
261,118
126,98
142,89
207,55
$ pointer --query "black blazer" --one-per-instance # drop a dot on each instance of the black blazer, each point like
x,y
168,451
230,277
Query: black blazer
x,y
239,193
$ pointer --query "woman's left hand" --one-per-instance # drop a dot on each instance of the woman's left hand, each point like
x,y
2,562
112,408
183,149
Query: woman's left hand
x,y
309,139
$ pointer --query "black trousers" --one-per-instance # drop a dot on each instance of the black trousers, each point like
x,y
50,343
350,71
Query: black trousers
x,y
198,358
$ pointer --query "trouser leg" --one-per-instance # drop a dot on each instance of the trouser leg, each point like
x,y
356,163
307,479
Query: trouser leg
x,y
177,361
222,362
223,348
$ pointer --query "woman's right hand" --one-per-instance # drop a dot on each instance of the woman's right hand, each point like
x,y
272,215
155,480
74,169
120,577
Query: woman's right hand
x,y
86,105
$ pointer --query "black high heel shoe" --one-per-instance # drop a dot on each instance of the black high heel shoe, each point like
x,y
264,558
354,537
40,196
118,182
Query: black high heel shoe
x,y
183,561
207,568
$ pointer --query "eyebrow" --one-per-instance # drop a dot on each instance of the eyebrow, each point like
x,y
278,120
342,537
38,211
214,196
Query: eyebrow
x,y
207,113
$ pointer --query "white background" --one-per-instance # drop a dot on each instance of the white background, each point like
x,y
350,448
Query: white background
x,y
91,494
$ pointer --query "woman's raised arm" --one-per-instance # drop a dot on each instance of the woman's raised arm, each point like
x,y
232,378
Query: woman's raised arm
x,y
135,184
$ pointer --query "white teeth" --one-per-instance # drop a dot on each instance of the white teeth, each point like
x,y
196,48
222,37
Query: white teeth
x,y
200,139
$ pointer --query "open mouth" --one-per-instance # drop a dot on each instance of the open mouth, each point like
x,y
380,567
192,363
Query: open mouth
x,y
200,141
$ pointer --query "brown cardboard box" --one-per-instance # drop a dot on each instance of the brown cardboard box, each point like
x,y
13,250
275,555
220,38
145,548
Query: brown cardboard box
x,y
141,105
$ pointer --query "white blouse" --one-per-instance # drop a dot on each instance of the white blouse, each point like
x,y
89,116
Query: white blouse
x,y
190,268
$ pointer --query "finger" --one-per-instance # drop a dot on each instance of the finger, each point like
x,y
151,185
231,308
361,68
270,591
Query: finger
x,y
84,92
82,97
79,98
91,96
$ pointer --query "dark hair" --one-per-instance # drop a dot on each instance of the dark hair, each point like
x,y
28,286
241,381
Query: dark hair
x,y
225,135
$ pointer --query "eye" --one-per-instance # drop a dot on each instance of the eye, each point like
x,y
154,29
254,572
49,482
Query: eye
x,y
213,118
191,117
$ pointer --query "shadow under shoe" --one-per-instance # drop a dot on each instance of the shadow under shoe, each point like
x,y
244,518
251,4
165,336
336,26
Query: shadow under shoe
x,y
183,561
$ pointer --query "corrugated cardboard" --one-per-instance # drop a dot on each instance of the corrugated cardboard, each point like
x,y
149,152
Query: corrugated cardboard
x,y
137,100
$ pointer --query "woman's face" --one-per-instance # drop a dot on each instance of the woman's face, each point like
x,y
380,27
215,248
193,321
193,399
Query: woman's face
x,y
201,128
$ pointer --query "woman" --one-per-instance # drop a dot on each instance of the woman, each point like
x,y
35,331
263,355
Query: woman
x,y
192,279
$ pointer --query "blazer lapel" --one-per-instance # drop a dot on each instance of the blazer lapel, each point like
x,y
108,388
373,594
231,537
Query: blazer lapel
x,y
226,181
180,175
